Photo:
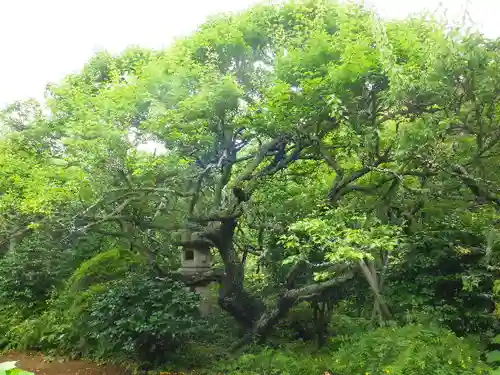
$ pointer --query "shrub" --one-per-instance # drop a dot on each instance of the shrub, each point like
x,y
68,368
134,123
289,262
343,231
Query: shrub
x,y
493,354
10,317
141,318
413,349
113,308
299,323
496,294
27,277
106,266
442,273
134,318
288,360
60,326
410,350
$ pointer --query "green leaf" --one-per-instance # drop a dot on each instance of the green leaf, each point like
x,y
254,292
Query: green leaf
x,y
493,357
19,372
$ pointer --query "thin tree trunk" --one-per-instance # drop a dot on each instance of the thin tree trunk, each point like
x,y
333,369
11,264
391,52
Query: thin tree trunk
x,y
370,274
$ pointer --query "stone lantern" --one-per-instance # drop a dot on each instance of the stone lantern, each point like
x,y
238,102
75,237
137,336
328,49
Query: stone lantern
x,y
196,261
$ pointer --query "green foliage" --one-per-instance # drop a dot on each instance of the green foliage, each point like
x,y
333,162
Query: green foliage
x,y
434,276
39,307
299,323
294,359
30,272
342,236
343,327
106,266
142,318
361,144
27,277
493,355
134,318
112,307
412,349
496,295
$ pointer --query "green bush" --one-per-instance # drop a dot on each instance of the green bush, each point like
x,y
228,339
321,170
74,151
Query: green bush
x,y
59,326
112,307
410,350
345,325
141,318
135,318
289,360
441,274
106,266
413,349
299,323
38,265
27,277
496,295
493,354
10,316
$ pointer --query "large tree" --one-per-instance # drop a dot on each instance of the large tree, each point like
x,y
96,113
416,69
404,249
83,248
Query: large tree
x,y
308,138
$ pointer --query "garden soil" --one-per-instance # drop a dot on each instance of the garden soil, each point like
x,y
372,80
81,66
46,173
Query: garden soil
x,y
42,365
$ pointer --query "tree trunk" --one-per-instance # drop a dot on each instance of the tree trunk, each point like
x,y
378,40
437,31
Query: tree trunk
x,y
370,274
321,323
288,299
233,298
248,310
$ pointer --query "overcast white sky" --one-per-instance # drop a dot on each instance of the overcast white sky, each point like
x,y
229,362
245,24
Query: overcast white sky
x,y
43,40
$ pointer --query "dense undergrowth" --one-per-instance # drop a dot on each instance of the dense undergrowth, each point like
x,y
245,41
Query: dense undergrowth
x,y
122,315
126,315
341,171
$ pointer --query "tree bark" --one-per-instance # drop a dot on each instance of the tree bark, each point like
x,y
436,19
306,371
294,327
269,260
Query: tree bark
x,y
370,273
233,297
288,299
